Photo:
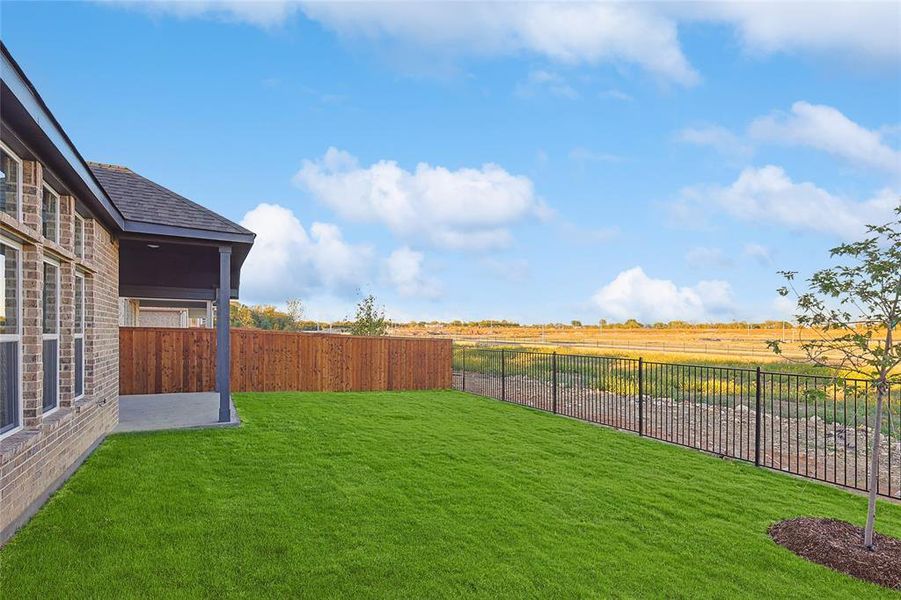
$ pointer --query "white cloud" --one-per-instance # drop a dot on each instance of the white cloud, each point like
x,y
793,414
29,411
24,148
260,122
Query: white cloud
x,y
403,271
859,30
717,137
767,195
827,129
821,127
553,83
632,294
575,33
467,209
758,252
285,261
642,34
702,257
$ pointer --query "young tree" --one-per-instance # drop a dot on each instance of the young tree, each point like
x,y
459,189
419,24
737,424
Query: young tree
x,y
855,307
295,311
370,319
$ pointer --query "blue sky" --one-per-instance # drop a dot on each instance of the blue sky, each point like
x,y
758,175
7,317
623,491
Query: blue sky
x,y
523,161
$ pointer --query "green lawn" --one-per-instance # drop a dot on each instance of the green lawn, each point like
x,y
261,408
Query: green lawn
x,y
418,495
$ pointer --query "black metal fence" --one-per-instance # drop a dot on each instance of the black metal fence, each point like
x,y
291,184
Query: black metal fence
x,y
813,426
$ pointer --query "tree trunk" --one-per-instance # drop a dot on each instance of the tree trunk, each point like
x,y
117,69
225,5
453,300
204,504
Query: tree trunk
x,y
874,468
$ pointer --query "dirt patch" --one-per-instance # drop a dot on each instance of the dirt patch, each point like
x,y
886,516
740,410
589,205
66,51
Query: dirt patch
x,y
839,546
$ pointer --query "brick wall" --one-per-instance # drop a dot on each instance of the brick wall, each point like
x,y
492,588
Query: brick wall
x,y
33,459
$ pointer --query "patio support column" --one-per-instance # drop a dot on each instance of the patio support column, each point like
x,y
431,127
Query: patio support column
x,y
223,338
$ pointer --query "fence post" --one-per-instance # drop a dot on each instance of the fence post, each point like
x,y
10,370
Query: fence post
x,y
554,367
757,421
640,396
503,377
464,367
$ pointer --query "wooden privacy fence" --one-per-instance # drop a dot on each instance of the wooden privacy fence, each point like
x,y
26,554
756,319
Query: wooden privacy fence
x,y
156,360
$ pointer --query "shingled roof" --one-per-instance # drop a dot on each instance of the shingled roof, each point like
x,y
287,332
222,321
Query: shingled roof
x,y
142,200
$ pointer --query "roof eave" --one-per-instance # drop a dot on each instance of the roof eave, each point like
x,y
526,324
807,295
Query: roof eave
x,y
187,232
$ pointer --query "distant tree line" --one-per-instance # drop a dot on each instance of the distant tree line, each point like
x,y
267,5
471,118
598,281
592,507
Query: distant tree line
x,y
369,319
267,316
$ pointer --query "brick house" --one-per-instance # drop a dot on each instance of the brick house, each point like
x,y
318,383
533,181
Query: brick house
x,y
74,238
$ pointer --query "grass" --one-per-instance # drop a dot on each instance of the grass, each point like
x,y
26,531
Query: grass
x,y
429,494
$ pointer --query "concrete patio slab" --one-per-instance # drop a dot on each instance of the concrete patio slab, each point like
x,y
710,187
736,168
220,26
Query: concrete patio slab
x,y
154,412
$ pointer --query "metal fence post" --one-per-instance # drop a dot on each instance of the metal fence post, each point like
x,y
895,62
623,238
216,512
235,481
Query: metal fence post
x,y
640,396
554,367
503,377
757,421
463,350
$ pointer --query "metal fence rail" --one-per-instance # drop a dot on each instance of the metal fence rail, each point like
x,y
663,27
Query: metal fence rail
x,y
812,426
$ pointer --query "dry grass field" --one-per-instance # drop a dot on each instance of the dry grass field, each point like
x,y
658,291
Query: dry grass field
x,y
682,344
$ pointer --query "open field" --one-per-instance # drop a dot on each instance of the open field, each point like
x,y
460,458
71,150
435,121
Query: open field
x,y
773,363
694,343
425,494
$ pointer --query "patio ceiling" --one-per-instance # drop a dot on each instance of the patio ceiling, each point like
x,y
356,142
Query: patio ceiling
x,y
174,268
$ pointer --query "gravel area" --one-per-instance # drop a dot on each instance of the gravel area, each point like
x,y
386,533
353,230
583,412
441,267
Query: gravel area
x,y
807,446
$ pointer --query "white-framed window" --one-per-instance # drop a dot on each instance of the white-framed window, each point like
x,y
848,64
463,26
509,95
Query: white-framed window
x,y
79,335
78,236
50,213
10,337
50,317
10,183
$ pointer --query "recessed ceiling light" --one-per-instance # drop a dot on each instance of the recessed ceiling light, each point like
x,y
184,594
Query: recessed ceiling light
x,y
154,246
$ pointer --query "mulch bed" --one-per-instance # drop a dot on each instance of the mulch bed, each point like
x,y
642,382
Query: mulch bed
x,y
839,546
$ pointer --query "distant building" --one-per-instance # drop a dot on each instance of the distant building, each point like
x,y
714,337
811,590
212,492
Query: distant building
x,y
134,312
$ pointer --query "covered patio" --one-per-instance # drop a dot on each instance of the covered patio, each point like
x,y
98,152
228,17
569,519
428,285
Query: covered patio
x,y
155,412
177,251
161,268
